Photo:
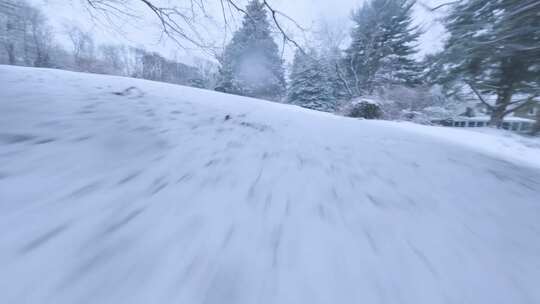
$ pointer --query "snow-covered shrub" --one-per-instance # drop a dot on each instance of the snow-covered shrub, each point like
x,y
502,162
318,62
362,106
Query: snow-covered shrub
x,y
418,104
363,108
400,100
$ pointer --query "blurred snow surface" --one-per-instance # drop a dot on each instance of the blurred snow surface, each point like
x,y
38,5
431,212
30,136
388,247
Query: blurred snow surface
x,y
169,194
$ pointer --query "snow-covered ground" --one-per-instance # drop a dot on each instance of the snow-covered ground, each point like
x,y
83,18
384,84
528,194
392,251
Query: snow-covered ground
x,y
502,144
167,194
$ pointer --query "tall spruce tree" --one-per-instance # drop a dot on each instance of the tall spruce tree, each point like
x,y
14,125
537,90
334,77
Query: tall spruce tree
x,y
310,85
383,43
251,65
494,47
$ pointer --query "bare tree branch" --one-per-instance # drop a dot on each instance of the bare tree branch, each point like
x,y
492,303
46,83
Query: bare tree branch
x,y
432,9
480,96
183,24
525,103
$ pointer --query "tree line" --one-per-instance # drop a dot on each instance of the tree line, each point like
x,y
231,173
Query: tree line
x,y
27,39
492,56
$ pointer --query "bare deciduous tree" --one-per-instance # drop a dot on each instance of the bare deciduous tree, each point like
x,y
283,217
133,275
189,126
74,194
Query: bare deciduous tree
x,y
41,36
82,43
536,128
182,22
111,56
24,34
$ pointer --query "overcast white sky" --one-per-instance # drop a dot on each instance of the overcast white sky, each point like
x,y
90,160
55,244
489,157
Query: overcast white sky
x,y
307,12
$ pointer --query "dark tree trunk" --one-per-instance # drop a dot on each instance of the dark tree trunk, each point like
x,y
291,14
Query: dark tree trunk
x,y
504,93
536,127
11,54
504,97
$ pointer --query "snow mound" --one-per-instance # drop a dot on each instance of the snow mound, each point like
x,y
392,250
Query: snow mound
x,y
117,190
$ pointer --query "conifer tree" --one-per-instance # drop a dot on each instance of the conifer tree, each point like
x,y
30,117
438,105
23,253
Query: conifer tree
x,y
383,43
494,47
251,65
310,85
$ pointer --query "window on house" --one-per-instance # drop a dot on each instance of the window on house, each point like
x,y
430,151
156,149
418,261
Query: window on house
x,y
515,126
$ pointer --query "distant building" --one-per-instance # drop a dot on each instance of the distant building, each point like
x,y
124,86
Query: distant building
x,y
530,111
516,124
477,115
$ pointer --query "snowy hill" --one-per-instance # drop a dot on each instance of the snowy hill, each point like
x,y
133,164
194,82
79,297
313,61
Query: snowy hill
x,y
116,190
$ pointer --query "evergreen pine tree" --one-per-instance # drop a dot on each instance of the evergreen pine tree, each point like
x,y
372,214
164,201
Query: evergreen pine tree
x,y
226,83
383,42
435,72
251,65
310,85
494,47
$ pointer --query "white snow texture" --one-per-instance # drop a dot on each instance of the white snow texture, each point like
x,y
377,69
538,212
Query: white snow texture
x,y
168,194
